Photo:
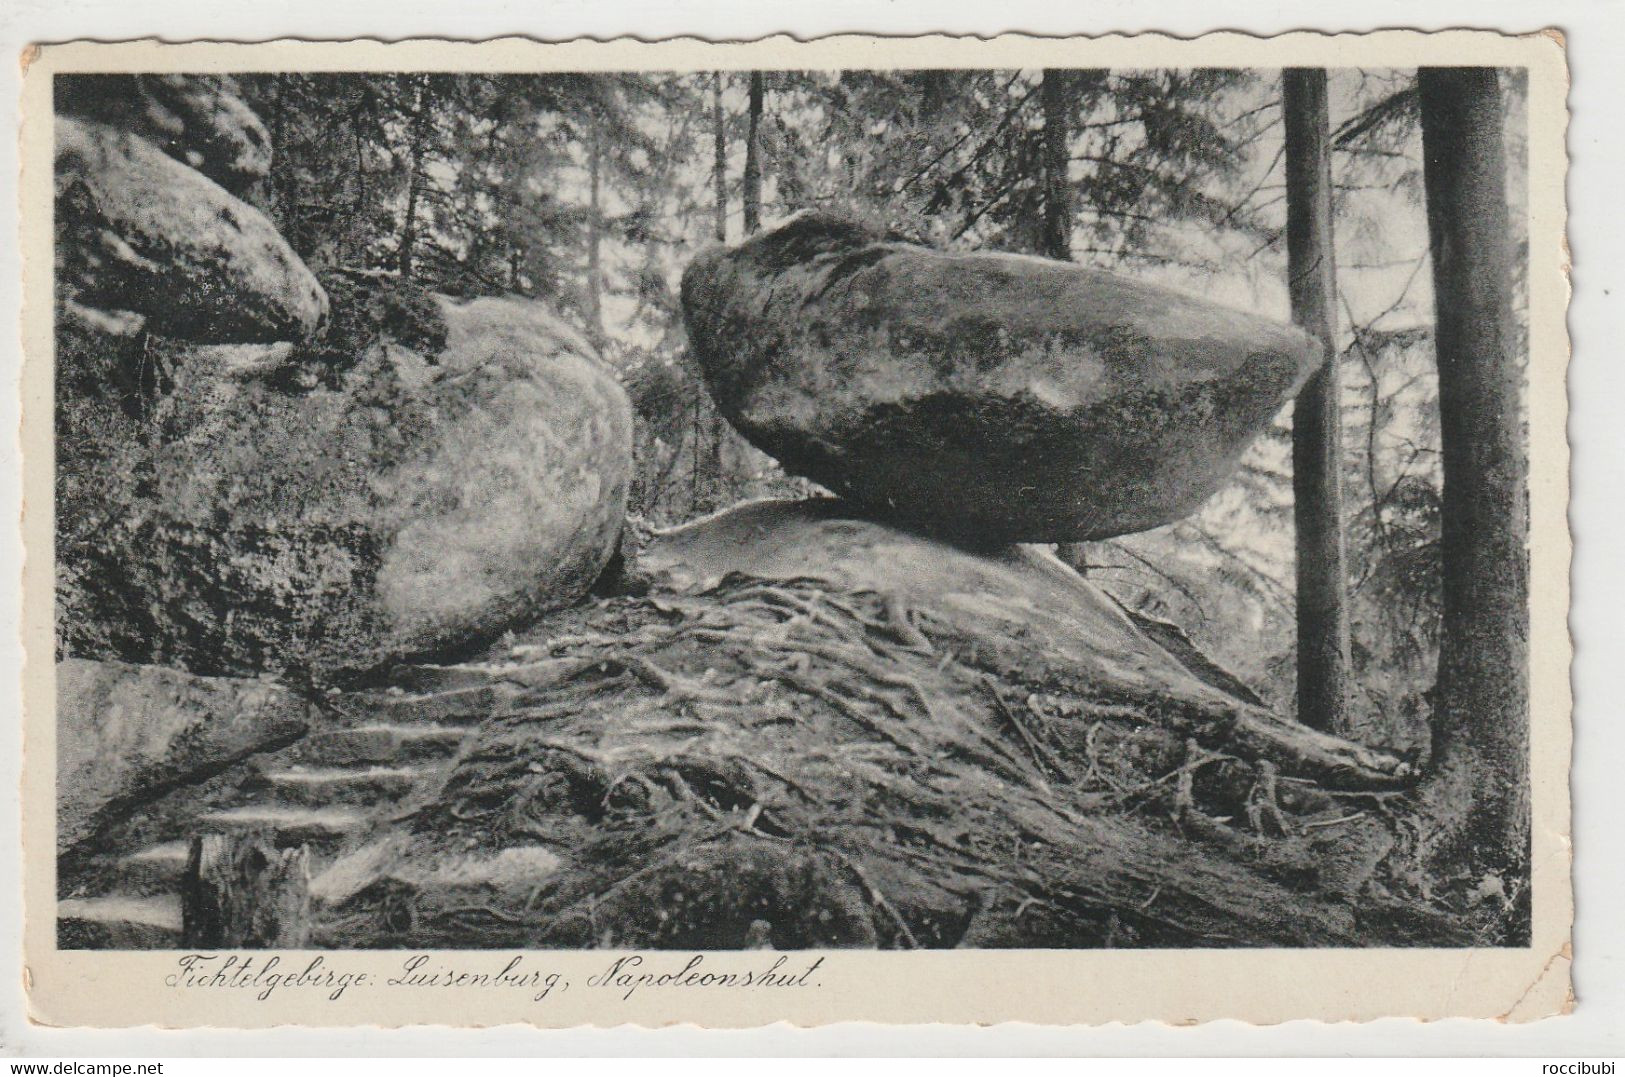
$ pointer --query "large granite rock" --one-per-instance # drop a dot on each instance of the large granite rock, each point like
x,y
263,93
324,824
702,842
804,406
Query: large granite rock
x,y
126,735
992,397
201,120
137,230
424,477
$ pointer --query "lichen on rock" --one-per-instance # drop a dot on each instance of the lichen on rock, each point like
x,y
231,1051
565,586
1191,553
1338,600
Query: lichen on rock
x,y
988,396
406,503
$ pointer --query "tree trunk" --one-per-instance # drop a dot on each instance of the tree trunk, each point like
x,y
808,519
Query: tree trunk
x,y
280,182
719,162
1479,791
595,228
242,893
707,469
753,162
1317,437
414,183
697,429
934,95
1056,238
354,244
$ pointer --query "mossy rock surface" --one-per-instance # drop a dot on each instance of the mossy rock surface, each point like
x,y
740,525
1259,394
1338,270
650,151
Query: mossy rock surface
x,y
420,478
990,397
127,735
200,120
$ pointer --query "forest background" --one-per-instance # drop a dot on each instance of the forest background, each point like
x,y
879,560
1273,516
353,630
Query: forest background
x,y
592,192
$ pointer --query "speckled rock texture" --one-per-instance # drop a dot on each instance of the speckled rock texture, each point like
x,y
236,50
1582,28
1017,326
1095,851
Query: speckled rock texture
x,y
421,478
200,120
138,230
128,734
985,397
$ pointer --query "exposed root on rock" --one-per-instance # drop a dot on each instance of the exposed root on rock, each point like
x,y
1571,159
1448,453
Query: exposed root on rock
x,y
799,765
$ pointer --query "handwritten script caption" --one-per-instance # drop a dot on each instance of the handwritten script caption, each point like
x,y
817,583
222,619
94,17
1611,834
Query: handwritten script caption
x,y
622,977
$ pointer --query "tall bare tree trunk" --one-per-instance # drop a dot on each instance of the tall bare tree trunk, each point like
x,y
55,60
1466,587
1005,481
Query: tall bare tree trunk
x,y
1317,434
1479,790
414,183
595,229
1055,231
753,158
708,433
1055,241
276,183
719,160
352,243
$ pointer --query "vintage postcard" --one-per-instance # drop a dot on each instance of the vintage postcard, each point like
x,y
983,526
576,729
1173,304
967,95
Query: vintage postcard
x,y
903,530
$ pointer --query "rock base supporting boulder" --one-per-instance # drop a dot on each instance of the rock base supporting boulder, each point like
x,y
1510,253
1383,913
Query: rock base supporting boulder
x,y
840,749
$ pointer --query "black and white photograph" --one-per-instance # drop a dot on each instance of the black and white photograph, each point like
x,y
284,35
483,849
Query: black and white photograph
x,y
792,509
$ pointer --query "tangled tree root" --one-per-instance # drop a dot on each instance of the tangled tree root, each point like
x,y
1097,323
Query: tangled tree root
x,y
792,763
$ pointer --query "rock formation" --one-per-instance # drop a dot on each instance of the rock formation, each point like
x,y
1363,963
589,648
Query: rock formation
x,y
139,231
802,727
424,476
200,120
989,397
253,477
127,735
815,730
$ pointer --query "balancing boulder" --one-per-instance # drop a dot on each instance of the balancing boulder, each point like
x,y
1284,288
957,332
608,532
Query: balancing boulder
x,y
992,397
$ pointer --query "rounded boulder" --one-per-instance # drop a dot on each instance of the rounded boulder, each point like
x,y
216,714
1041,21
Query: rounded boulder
x,y
986,397
413,501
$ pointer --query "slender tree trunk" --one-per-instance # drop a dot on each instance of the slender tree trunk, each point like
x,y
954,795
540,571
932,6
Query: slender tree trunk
x,y
719,161
1479,789
698,429
1055,233
753,160
279,190
1317,436
934,87
595,229
1056,237
414,183
707,473
358,210
409,222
